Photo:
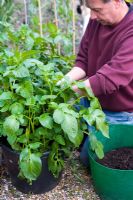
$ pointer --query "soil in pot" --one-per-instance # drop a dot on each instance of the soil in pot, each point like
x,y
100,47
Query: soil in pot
x,y
121,158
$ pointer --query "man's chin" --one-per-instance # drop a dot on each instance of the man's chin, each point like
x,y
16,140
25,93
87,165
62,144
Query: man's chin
x,y
103,22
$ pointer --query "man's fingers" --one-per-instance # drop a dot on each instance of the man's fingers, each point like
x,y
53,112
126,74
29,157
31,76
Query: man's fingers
x,y
77,90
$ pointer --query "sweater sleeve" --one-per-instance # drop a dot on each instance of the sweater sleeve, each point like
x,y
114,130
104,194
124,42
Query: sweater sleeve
x,y
116,73
82,56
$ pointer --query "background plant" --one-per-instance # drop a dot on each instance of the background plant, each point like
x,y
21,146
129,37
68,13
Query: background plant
x,y
27,12
6,10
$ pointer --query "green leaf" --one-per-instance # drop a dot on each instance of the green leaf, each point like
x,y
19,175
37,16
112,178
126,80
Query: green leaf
x,y
21,72
70,127
58,39
30,101
93,115
90,93
80,85
89,119
97,113
49,67
83,126
96,146
70,111
17,108
27,54
6,96
30,165
52,27
2,103
35,145
55,160
46,97
46,120
53,105
58,116
44,132
23,154
22,139
29,42
32,62
5,108
103,127
93,141
99,150
11,125
11,138
23,121
57,129
62,106
60,139
94,103
25,89
78,139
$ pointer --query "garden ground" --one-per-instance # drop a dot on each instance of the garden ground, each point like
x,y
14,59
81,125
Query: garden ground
x,y
76,184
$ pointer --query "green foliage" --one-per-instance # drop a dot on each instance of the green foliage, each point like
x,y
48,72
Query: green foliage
x,y
6,9
64,14
129,1
36,114
95,117
30,164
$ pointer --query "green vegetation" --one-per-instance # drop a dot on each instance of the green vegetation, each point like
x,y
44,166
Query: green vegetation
x,y
36,114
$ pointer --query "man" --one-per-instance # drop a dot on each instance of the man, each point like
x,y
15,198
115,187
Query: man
x,y
105,60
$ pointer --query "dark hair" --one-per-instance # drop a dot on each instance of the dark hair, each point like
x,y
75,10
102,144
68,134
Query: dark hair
x,y
104,1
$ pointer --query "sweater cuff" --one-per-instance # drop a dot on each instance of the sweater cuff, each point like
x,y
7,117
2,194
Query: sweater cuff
x,y
95,83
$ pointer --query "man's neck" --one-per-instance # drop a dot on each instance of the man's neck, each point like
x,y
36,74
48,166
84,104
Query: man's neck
x,y
123,12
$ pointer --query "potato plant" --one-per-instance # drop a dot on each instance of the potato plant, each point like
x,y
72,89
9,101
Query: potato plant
x,y
37,115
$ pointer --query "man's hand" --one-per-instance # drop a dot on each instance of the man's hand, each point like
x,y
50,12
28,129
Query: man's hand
x,y
81,92
76,74
64,81
78,91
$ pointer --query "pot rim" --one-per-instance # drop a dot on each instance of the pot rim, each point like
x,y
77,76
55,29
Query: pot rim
x,y
45,154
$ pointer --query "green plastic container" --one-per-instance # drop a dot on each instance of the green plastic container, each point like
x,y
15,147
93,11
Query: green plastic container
x,y
113,184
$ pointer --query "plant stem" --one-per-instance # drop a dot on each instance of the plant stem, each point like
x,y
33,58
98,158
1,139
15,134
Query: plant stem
x,y
11,86
32,121
62,91
74,102
29,119
56,22
73,24
40,17
26,9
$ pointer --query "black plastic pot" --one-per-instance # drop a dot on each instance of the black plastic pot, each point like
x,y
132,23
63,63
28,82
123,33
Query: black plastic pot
x,y
45,182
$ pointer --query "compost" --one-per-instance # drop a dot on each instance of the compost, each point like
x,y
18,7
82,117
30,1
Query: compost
x,y
121,158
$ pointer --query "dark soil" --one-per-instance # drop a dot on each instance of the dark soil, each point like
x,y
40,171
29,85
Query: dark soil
x,y
121,158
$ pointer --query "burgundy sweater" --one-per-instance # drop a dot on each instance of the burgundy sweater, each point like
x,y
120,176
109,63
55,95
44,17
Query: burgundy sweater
x,y
106,55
